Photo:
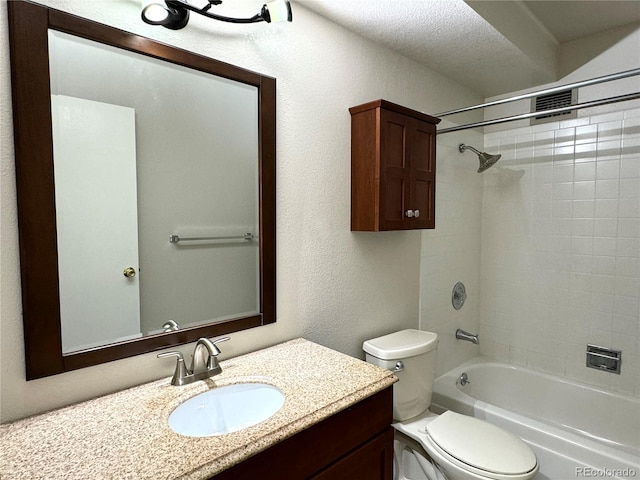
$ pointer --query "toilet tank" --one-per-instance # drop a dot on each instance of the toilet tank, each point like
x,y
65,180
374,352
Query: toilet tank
x,y
417,352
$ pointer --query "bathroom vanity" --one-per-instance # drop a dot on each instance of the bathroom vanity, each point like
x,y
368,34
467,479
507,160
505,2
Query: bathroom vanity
x,y
356,443
334,424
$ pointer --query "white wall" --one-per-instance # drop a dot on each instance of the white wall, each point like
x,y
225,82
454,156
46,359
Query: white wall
x,y
334,287
561,235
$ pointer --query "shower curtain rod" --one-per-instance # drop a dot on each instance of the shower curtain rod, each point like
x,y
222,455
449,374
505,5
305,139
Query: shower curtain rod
x,y
578,106
583,83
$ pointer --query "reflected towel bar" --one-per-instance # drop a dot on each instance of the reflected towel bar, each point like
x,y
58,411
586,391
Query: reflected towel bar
x,y
177,238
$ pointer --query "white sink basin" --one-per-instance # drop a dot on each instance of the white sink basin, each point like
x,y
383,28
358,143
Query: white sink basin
x,y
226,409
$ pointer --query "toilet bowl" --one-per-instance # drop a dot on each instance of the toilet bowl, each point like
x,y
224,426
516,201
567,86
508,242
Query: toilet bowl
x,y
459,446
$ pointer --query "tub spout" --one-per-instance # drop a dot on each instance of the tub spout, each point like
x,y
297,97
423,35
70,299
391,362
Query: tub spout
x,y
469,337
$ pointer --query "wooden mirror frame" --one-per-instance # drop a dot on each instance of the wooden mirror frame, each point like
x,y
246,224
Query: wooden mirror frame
x,y
31,94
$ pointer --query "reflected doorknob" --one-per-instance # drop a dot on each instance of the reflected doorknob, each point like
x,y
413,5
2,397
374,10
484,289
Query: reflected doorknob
x,y
129,272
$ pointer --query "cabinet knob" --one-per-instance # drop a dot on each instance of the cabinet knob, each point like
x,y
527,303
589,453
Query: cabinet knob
x,y
129,272
409,213
416,213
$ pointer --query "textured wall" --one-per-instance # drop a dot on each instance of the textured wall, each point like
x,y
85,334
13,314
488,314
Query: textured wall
x,y
334,287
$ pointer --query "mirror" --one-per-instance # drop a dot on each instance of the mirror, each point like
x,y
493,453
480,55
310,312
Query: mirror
x,y
148,155
173,221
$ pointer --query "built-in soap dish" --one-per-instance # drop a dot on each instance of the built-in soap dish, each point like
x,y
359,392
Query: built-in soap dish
x,y
603,358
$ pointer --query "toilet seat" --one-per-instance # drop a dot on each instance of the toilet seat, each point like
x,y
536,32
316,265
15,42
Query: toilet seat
x,y
474,446
480,445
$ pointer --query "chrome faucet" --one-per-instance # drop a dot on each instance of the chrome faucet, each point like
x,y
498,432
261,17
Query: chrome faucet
x,y
469,337
203,365
170,326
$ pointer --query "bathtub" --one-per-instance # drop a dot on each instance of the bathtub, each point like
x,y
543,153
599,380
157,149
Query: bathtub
x,y
576,431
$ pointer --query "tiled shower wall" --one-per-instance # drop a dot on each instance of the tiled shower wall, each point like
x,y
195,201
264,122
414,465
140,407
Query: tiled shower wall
x,y
451,252
560,256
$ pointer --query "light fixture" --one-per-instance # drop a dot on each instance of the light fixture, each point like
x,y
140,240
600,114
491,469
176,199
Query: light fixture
x,y
174,14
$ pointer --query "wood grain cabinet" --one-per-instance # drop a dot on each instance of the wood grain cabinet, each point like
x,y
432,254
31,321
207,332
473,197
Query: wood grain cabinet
x,y
393,167
354,444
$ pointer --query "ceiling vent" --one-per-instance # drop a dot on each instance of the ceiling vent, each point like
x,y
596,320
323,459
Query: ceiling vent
x,y
550,101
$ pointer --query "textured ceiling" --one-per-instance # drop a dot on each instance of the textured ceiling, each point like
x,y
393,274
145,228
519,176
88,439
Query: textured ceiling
x,y
491,47
570,20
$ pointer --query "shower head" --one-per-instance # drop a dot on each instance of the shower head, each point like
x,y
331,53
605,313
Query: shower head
x,y
486,159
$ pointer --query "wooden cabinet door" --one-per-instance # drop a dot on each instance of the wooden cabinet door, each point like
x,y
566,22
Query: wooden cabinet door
x,y
372,461
407,172
395,174
422,161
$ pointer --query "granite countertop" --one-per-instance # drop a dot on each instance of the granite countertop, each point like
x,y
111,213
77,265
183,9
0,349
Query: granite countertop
x,y
125,435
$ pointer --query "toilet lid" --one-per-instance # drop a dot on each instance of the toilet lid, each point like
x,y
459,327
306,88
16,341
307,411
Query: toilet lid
x,y
481,444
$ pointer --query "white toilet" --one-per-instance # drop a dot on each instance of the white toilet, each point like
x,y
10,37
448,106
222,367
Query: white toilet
x,y
459,446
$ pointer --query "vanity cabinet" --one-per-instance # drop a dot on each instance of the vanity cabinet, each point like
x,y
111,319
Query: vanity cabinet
x,y
393,167
371,461
354,444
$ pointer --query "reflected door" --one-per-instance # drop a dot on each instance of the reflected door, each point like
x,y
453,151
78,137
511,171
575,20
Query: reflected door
x,y
95,175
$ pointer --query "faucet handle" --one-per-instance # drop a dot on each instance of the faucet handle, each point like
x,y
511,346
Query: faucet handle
x,y
181,373
212,361
171,354
215,342
213,367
